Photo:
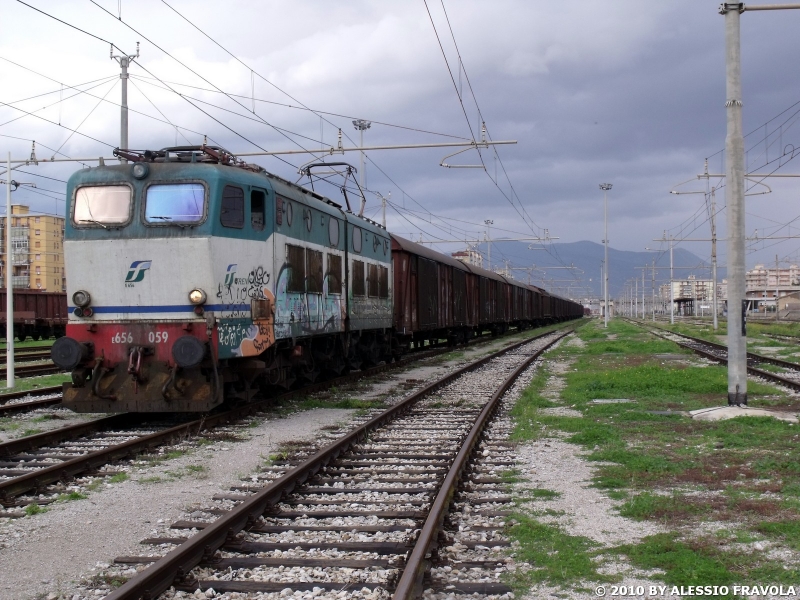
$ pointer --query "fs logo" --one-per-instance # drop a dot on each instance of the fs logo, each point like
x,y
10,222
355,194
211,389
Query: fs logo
x,y
137,271
230,274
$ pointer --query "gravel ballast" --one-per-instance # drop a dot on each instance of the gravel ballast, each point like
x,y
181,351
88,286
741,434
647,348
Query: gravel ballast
x,y
47,552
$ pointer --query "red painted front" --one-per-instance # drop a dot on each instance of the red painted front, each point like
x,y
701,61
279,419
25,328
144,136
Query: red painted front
x,y
113,341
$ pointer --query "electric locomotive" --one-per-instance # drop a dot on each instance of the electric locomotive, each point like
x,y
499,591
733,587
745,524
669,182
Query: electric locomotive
x,y
194,276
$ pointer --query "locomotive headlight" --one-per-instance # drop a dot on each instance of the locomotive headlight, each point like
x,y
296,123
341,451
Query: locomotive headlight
x,y
141,170
197,296
81,298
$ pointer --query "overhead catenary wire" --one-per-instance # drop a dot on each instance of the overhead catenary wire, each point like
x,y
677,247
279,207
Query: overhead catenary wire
x,y
315,111
116,77
292,140
287,94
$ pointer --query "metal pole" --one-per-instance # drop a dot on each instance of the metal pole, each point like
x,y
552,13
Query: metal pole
x,y
602,301
361,155
9,285
605,246
361,125
671,286
714,256
636,299
653,290
734,193
605,187
777,291
643,270
489,224
123,133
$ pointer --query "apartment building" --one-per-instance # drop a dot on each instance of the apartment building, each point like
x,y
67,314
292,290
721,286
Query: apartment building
x,y
37,250
469,256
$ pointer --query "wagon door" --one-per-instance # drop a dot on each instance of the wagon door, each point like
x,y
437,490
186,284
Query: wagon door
x,y
459,298
427,286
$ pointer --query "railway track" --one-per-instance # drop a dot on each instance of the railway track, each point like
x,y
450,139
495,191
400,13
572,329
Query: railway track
x,y
407,501
719,353
29,464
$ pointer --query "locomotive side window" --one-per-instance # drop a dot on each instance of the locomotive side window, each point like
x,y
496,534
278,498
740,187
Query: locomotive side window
x,y
357,239
257,204
334,274
175,203
333,232
372,281
314,271
383,282
102,204
296,261
232,213
278,210
358,278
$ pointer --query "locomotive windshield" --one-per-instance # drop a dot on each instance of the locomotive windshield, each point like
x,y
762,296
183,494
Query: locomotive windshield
x,y
102,205
175,203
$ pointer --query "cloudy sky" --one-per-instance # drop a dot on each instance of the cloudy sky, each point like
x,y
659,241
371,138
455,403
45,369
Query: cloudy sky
x,y
628,92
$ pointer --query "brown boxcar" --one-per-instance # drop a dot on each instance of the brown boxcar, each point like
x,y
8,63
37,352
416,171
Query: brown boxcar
x,y
430,294
37,314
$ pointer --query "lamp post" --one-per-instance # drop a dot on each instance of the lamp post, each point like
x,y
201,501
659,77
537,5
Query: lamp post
x,y
605,187
10,186
361,125
489,223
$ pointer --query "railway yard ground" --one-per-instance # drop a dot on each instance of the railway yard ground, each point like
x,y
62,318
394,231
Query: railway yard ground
x,y
611,478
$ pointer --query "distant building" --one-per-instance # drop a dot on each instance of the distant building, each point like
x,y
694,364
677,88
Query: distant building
x,y
469,256
692,295
766,285
37,250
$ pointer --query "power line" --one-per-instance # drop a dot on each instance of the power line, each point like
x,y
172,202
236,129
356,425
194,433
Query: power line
x,y
210,83
67,24
96,97
314,111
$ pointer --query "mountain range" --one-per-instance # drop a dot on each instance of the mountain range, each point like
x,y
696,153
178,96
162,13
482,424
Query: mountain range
x,y
545,265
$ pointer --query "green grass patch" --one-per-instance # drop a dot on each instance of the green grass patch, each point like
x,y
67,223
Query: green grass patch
x,y
681,563
47,417
71,496
34,509
7,424
785,532
34,383
118,478
543,494
348,403
556,557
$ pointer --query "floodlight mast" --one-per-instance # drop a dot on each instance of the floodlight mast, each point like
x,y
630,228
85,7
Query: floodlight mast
x,y
605,187
362,125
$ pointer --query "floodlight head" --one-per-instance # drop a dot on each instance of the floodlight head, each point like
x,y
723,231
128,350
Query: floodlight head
x,y
605,186
362,124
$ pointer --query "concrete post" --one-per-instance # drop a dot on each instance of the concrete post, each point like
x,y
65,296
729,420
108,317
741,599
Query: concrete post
x,y
734,194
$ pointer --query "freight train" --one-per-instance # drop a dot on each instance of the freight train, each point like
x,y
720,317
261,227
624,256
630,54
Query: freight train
x,y
37,314
195,277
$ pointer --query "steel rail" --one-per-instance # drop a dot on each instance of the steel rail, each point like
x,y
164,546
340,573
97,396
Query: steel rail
x,y
410,584
750,355
33,370
178,563
64,470
55,389
773,377
20,407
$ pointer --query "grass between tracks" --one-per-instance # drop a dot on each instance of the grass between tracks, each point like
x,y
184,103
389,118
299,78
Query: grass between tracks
x,y
726,493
